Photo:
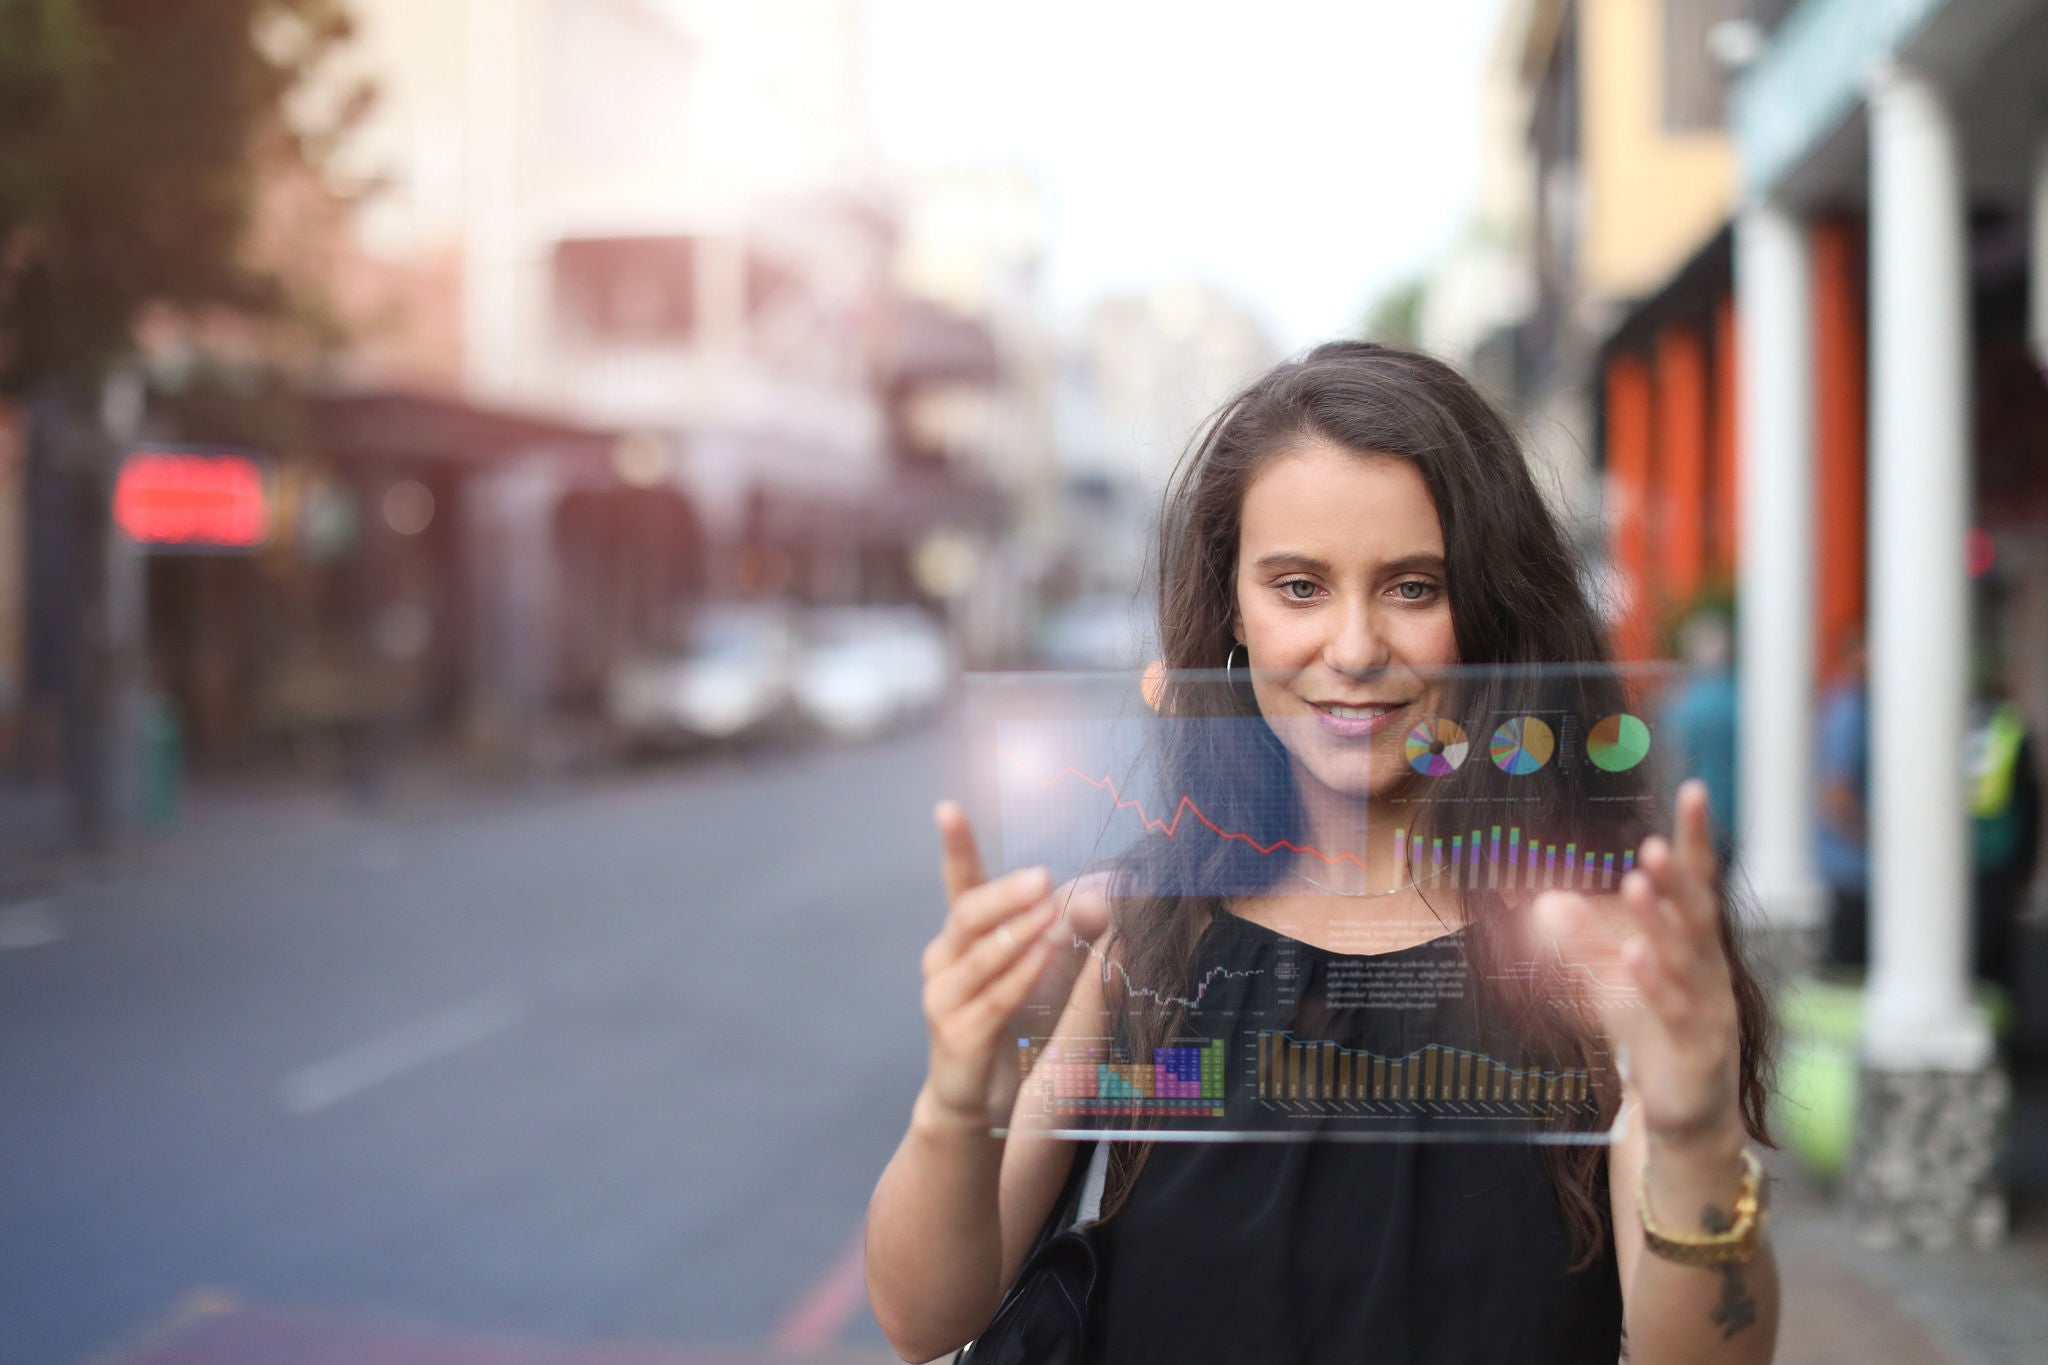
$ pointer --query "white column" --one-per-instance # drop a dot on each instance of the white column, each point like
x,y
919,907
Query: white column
x,y
1774,350
1919,1014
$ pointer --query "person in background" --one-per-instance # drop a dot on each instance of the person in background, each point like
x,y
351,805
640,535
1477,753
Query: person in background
x,y
1704,715
2005,827
1841,831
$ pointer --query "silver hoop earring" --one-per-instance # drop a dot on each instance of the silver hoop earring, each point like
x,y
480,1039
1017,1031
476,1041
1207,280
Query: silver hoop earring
x,y
1230,662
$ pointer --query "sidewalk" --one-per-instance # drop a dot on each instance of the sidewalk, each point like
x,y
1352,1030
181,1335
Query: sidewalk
x,y
1845,1305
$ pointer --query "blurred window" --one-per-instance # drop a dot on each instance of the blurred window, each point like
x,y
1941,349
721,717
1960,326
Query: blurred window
x,y
1765,14
1695,86
768,281
627,289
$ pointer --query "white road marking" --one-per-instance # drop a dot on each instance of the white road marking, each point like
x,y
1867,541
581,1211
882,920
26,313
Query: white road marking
x,y
425,1040
30,924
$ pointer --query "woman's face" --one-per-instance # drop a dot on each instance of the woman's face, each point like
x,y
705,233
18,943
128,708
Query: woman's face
x,y
1341,604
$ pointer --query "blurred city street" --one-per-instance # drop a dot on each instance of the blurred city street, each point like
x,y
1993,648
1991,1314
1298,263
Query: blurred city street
x,y
503,505
598,1069
613,1060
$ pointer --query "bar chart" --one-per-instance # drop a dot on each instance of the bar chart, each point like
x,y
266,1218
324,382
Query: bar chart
x,y
1482,859
1288,1068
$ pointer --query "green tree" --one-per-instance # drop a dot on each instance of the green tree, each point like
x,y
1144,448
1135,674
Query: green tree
x,y
137,135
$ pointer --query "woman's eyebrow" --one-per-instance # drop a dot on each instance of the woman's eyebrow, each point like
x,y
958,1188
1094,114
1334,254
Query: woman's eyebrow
x,y
1281,561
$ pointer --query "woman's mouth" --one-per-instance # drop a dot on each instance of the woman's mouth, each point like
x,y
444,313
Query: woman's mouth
x,y
1354,721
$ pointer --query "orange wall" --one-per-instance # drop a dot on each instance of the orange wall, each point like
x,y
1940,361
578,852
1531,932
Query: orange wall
x,y
1629,497
1839,398
1681,513
1673,453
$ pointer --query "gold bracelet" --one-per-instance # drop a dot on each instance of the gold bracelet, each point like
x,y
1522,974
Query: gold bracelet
x,y
1731,1247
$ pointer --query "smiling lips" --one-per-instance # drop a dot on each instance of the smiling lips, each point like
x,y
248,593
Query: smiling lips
x,y
1354,721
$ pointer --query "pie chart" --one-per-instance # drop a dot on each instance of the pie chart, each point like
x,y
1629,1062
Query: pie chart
x,y
1436,747
1522,745
1618,743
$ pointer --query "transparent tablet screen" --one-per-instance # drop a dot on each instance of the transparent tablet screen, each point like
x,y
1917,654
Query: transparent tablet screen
x,y
1320,909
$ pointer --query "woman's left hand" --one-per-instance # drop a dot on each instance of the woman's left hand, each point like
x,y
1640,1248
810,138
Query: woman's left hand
x,y
1659,981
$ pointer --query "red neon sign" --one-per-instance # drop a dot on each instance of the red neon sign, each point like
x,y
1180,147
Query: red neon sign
x,y
196,501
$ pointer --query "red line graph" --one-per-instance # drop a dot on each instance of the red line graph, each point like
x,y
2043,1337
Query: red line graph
x,y
1187,806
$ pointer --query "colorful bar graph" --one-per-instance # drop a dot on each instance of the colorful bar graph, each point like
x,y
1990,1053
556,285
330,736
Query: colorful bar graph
x,y
1462,862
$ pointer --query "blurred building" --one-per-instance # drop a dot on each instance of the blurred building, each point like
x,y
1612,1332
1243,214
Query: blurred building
x,y
1149,369
1145,372
1604,169
675,229
1790,285
633,324
975,371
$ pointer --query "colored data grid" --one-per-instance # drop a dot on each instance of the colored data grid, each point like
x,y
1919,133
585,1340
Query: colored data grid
x,y
1288,1068
1477,860
1096,1079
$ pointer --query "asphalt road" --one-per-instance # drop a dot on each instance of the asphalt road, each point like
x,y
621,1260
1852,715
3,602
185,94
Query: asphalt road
x,y
614,1060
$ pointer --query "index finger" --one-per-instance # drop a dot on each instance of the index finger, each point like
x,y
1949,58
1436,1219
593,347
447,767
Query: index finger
x,y
962,859
1693,853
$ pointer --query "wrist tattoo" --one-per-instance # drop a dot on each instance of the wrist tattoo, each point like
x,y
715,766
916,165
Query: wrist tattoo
x,y
1736,1310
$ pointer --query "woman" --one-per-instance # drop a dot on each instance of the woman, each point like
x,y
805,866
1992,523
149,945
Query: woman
x,y
1346,525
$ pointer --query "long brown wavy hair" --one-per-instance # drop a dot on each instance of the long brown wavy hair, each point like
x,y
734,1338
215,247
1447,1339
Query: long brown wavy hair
x,y
1515,593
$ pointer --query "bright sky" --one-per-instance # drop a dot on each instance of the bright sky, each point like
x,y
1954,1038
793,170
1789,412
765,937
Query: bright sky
x,y
1302,154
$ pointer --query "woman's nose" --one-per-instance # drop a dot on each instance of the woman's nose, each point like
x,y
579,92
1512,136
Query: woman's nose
x,y
1358,647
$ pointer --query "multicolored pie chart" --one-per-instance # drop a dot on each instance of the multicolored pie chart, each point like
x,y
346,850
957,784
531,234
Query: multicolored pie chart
x,y
1437,746
1618,743
1522,745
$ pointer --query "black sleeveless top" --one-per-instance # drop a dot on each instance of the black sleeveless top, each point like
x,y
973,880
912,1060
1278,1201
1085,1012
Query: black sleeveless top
x,y
1336,1251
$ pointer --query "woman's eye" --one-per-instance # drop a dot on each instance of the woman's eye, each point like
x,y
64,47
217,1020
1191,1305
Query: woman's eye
x,y
1300,589
1421,590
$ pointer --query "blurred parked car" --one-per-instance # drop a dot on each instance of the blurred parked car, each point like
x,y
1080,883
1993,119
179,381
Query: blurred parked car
x,y
730,678
1110,630
867,669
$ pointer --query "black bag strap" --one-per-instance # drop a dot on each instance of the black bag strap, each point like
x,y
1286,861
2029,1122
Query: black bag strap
x,y
1079,1203
1096,1177
1080,1197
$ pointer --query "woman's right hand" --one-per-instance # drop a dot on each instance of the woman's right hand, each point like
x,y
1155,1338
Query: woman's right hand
x,y
1006,943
